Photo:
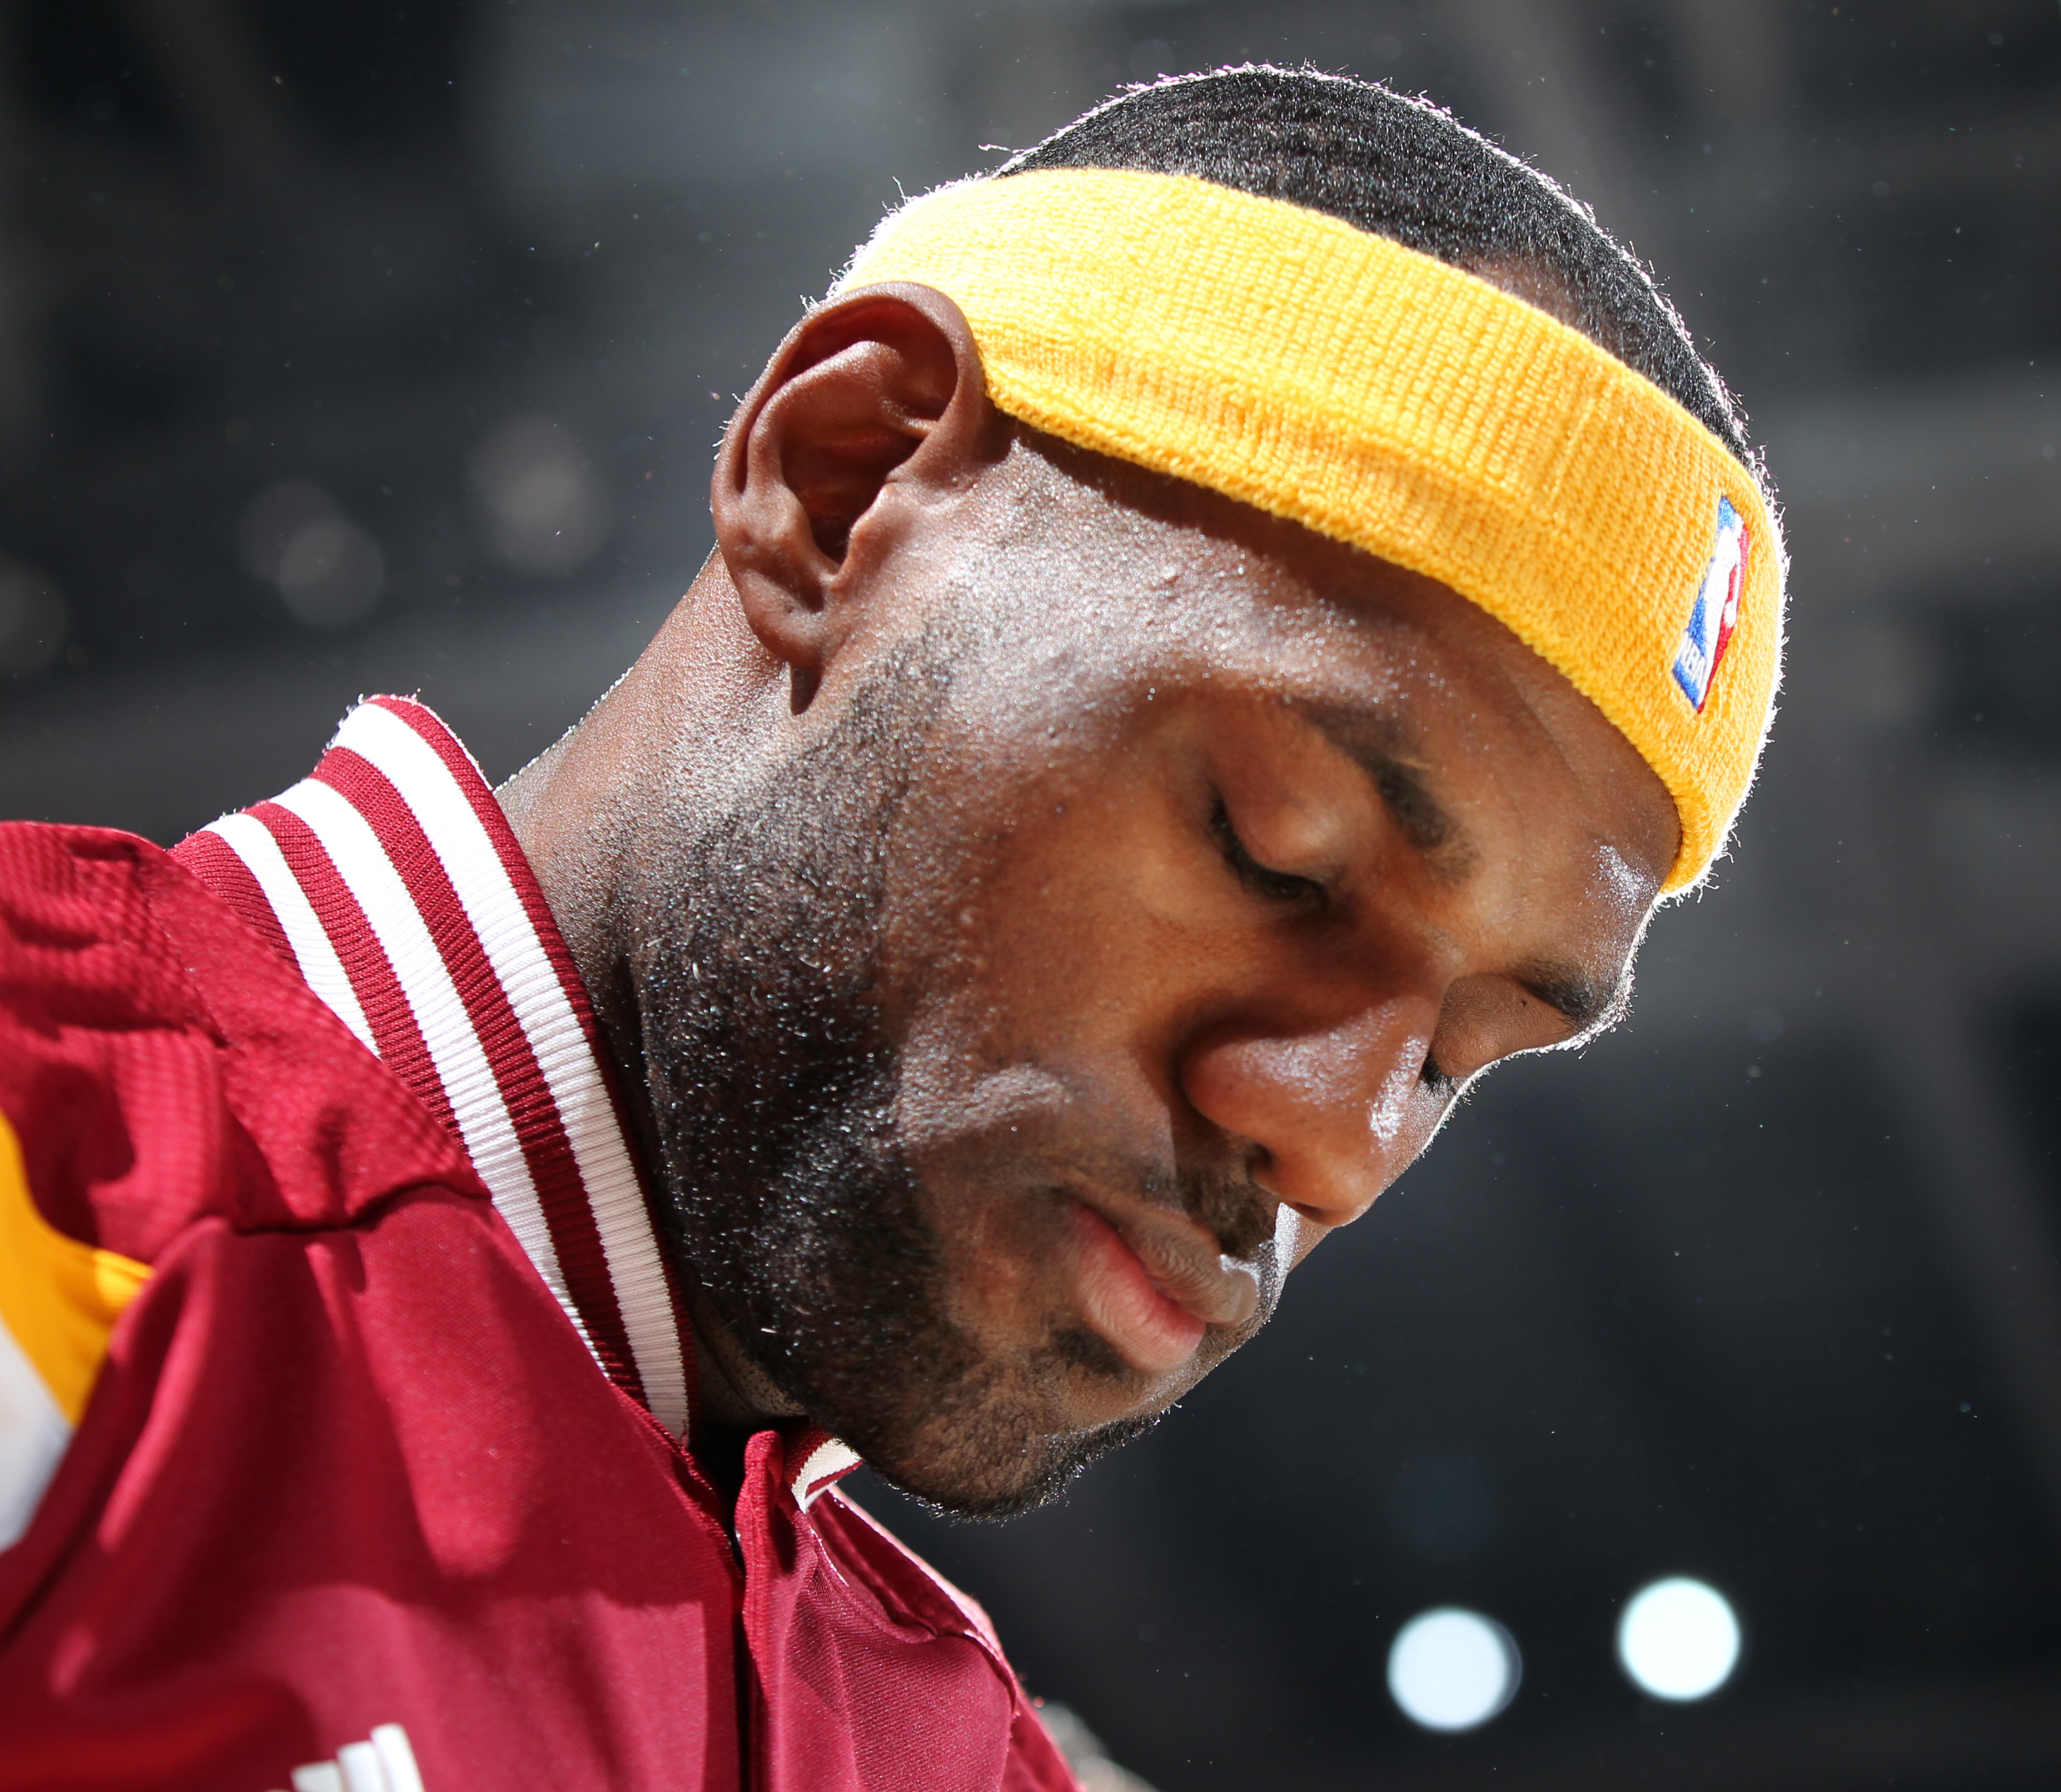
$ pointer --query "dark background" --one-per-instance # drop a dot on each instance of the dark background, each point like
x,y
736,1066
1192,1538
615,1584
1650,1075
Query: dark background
x,y
1764,1289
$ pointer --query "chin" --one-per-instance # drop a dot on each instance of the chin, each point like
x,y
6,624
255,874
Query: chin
x,y
982,1487
995,1442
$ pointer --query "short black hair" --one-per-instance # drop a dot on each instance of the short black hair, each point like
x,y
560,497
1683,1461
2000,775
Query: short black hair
x,y
1401,168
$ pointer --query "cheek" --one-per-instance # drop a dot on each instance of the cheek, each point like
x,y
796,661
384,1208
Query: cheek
x,y
1058,919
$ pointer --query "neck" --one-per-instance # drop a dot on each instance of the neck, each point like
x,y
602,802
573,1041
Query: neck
x,y
599,815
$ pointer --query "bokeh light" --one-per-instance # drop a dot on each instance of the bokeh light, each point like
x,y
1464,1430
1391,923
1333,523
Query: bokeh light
x,y
543,509
1450,1668
328,571
1679,1639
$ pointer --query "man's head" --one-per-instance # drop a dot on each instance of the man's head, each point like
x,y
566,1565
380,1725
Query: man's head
x,y
1037,896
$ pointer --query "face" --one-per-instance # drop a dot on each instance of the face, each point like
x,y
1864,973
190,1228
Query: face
x,y
1141,889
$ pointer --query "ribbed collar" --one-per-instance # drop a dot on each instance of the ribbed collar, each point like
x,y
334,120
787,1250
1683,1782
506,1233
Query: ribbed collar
x,y
391,878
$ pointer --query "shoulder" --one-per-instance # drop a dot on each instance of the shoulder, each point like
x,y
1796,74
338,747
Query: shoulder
x,y
76,944
159,1067
102,1036
158,1062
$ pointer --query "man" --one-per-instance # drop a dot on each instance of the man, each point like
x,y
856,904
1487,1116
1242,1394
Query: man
x,y
1218,635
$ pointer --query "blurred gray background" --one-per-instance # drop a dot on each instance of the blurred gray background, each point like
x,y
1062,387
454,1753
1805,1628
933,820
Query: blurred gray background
x,y
347,347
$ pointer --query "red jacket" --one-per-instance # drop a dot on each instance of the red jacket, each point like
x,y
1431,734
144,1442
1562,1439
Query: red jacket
x,y
341,1380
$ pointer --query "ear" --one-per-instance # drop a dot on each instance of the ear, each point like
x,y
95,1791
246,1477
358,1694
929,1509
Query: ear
x,y
882,387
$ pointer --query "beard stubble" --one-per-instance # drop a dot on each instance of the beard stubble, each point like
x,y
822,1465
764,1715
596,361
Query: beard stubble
x,y
784,1198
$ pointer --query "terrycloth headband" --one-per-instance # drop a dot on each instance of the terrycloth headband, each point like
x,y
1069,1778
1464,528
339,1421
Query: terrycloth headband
x,y
1292,361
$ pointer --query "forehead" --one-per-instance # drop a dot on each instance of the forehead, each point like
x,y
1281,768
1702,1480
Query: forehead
x,y
1146,577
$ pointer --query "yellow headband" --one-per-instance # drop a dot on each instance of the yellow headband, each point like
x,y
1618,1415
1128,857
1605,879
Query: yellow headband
x,y
1293,363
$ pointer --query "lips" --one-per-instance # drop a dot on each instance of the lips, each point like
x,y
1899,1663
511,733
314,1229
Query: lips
x,y
1153,1287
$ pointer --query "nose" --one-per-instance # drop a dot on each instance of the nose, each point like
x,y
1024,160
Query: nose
x,y
1334,1111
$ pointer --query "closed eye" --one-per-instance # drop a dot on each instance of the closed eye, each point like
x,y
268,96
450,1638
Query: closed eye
x,y
1262,880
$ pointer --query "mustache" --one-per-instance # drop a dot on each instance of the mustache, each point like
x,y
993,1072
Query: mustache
x,y
1231,1207
1221,1198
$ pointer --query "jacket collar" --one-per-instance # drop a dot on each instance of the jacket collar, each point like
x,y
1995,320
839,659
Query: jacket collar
x,y
391,878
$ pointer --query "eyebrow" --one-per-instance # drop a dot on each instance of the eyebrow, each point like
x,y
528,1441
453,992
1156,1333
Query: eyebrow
x,y
1387,753
1589,1005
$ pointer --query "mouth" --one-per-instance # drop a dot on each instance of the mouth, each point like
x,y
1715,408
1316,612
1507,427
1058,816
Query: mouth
x,y
1153,1286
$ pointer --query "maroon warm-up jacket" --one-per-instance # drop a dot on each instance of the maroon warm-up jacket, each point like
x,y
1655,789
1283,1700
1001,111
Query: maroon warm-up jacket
x,y
344,1389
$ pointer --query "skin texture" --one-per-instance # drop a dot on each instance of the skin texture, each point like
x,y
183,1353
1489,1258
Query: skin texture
x,y
1033,902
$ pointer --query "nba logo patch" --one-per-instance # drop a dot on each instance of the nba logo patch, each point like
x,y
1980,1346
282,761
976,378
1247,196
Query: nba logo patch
x,y
1708,632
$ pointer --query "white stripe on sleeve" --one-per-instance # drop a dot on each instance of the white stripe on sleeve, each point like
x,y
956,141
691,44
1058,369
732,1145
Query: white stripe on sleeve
x,y
397,1757
362,1768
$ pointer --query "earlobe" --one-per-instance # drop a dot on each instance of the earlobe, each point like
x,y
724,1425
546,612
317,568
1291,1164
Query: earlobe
x,y
883,386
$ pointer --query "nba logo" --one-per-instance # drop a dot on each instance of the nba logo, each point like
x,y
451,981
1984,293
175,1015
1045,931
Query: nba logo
x,y
1709,629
